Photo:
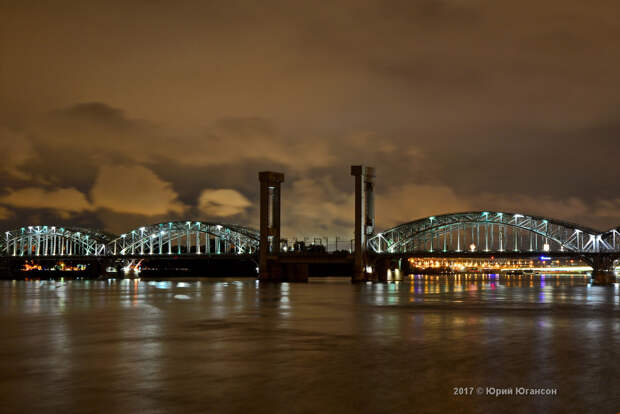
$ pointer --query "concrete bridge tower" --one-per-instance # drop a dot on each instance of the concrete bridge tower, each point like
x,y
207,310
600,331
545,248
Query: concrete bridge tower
x,y
269,248
364,217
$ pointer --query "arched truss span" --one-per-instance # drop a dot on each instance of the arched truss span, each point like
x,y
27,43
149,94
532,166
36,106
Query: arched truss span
x,y
612,238
492,231
186,237
54,241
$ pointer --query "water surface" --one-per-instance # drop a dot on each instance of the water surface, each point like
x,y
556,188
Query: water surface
x,y
327,346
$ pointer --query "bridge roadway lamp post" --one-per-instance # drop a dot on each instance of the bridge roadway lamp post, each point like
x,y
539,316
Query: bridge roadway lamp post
x,y
269,247
364,218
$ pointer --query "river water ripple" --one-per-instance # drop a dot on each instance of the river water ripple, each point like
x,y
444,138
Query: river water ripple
x,y
226,345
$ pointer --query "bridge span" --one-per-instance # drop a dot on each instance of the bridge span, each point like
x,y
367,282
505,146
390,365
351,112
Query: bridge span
x,y
479,234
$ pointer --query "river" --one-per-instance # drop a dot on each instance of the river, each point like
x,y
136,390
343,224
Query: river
x,y
427,344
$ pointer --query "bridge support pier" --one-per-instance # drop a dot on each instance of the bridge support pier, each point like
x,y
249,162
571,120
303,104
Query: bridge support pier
x,y
296,272
271,269
603,270
380,272
364,218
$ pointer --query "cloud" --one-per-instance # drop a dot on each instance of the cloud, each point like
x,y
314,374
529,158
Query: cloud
x,y
16,152
412,201
316,207
134,190
101,132
5,213
459,104
98,113
222,202
64,200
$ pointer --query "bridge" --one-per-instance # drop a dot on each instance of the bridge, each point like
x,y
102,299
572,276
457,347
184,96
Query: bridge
x,y
486,234
493,232
178,238
471,234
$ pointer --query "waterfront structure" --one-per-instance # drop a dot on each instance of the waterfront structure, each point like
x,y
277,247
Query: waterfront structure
x,y
270,187
162,239
364,217
474,234
493,232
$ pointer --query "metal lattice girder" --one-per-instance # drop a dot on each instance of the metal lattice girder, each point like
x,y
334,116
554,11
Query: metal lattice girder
x,y
493,231
185,237
611,239
54,241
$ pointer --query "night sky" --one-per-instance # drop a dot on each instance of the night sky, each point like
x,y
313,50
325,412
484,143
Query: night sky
x,y
116,114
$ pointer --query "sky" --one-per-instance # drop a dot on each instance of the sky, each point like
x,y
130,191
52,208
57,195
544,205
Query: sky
x,y
117,114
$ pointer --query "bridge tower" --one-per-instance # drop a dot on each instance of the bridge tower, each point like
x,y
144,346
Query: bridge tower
x,y
269,247
364,217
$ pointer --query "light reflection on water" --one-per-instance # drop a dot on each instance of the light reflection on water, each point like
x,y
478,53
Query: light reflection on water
x,y
241,346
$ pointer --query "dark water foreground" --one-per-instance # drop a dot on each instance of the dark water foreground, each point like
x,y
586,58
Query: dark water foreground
x,y
219,346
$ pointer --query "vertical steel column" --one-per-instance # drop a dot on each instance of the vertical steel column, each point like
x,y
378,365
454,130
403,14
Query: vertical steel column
x,y
198,240
142,241
486,237
187,239
500,235
170,238
516,234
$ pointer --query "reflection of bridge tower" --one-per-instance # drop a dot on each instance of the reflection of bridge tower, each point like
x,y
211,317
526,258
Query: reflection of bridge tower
x,y
364,216
269,247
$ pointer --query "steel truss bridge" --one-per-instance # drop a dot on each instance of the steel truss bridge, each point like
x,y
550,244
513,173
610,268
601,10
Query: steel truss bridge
x,y
469,232
485,231
170,238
